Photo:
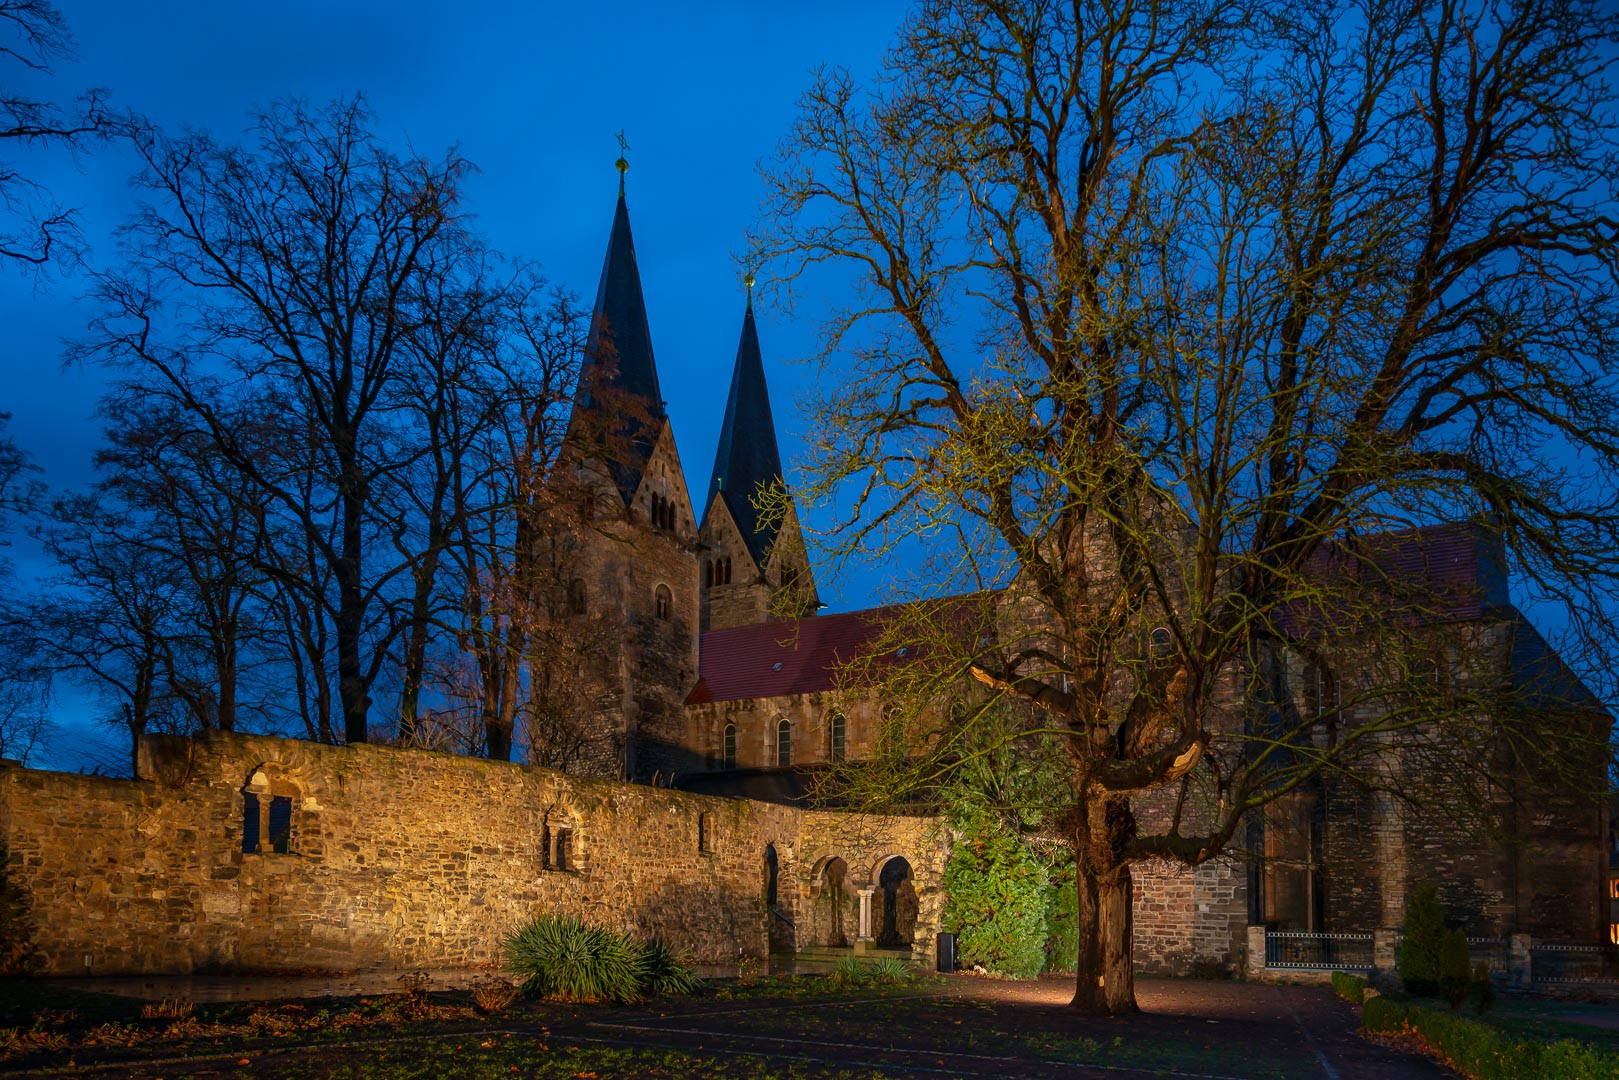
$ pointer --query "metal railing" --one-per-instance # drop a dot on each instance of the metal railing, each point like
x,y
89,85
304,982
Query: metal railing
x,y
1306,950
1555,963
1496,952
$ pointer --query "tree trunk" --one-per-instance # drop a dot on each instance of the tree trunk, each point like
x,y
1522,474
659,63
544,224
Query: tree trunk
x,y
352,686
1106,981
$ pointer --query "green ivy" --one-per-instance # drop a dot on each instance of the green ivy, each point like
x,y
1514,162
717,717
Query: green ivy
x,y
1062,913
997,895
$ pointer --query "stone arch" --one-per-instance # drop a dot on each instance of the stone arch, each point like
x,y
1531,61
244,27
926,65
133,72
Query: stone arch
x,y
562,839
833,909
273,806
896,905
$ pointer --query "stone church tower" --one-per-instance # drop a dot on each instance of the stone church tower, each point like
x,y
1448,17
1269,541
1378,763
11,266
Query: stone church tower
x,y
633,562
755,567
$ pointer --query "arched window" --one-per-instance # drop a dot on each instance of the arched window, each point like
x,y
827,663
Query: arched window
x,y
665,601
267,804
576,596
840,727
727,569
784,743
1162,642
728,750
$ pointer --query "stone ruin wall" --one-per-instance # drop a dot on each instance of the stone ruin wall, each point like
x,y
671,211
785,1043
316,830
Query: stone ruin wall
x,y
399,859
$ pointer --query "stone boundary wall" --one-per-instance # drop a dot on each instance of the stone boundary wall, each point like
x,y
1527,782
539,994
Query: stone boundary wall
x,y
403,858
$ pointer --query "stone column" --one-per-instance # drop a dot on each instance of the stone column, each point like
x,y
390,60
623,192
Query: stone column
x,y
863,938
1385,957
1256,952
1519,967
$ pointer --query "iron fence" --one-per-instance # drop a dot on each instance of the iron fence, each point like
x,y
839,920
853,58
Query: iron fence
x,y
1303,949
1554,963
1496,952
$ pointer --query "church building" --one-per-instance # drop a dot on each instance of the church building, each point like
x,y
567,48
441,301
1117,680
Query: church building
x,y
726,671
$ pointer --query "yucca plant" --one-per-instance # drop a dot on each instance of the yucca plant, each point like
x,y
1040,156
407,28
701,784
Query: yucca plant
x,y
889,970
561,958
662,969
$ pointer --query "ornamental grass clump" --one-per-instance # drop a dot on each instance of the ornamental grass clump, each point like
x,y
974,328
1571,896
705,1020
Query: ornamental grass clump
x,y
562,958
661,969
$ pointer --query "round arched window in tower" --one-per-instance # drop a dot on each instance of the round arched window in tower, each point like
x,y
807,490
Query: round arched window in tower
x,y
665,602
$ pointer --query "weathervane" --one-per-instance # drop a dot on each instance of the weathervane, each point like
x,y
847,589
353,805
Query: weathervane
x,y
622,164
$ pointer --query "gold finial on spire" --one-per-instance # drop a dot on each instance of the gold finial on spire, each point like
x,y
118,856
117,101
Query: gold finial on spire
x,y
747,279
622,164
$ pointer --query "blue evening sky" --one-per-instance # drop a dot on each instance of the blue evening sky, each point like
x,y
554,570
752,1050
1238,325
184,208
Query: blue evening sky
x,y
533,93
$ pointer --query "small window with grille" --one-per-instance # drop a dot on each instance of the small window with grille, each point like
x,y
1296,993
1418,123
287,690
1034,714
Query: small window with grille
x,y
728,749
784,743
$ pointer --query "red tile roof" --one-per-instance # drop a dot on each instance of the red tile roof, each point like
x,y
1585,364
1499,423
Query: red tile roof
x,y
1452,572
794,656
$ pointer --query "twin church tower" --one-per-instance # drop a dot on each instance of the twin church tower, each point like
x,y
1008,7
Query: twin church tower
x,y
649,566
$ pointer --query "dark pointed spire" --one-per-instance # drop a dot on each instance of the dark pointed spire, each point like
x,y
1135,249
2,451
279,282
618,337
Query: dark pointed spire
x,y
620,342
747,457
619,318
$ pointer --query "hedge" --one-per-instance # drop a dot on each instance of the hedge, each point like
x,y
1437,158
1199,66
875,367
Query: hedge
x,y
1485,1053
1349,987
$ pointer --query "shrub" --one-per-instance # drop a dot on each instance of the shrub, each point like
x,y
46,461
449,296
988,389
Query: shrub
x,y
884,971
1455,976
1349,987
661,969
1062,914
492,994
996,896
167,1009
414,985
1424,938
1482,991
18,956
561,958
1480,1051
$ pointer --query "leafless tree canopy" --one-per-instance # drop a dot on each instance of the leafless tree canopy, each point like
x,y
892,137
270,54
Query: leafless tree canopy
x,y
34,228
326,502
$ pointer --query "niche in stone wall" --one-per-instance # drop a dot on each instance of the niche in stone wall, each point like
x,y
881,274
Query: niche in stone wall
x,y
269,801
705,833
561,849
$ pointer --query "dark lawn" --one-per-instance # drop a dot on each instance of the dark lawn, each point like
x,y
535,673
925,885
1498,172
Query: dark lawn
x,y
781,1029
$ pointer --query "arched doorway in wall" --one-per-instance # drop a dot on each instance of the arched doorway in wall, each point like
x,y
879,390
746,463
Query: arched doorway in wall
x,y
894,925
780,931
833,905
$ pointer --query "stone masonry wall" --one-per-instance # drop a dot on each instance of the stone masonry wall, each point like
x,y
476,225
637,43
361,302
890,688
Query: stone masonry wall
x,y
398,858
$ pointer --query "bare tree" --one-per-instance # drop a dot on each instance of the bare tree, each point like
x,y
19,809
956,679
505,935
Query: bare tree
x,y
1156,307
110,615
294,273
34,36
207,522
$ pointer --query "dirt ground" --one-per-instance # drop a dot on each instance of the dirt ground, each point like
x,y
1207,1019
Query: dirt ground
x,y
960,1026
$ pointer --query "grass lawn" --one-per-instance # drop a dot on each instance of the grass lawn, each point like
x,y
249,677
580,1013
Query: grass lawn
x,y
1552,1020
